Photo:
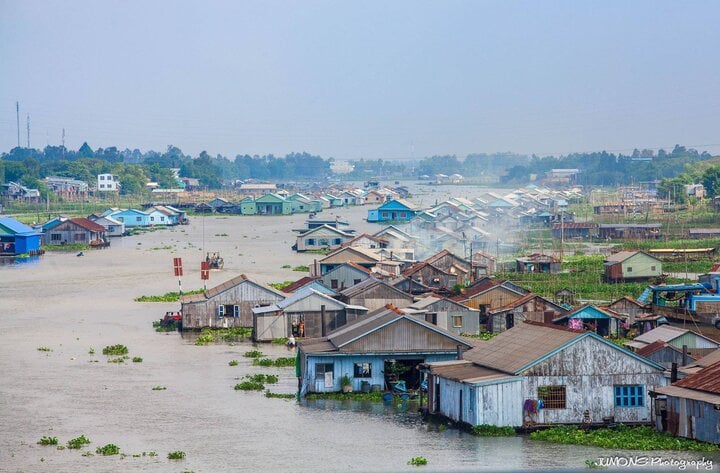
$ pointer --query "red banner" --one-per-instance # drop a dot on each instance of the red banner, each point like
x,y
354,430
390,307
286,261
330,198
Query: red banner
x,y
204,270
177,266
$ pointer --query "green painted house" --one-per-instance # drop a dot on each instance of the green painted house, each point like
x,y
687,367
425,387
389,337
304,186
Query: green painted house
x,y
631,266
247,206
273,204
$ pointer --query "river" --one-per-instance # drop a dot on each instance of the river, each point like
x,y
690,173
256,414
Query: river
x,y
71,304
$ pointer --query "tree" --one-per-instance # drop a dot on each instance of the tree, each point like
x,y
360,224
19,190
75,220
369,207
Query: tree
x,y
711,181
85,151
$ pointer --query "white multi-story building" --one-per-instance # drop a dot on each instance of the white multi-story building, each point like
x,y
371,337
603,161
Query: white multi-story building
x,y
108,183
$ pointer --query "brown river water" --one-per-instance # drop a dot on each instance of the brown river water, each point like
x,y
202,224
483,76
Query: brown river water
x,y
71,304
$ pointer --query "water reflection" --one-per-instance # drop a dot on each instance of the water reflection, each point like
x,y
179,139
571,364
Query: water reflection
x,y
19,261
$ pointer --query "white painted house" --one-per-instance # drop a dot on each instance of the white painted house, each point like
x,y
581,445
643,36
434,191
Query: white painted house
x,y
108,183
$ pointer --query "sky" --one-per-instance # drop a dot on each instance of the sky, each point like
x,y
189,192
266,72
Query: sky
x,y
361,79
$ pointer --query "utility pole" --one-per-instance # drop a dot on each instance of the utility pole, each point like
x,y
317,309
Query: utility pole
x,y
17,117
63,143
28,131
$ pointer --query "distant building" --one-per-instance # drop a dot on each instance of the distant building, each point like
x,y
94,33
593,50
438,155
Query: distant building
x,y
67,187
108,183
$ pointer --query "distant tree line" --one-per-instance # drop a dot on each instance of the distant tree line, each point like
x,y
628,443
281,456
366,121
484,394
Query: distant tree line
x,y
134,168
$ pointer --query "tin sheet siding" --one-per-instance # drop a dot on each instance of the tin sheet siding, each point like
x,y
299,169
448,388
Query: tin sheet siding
x,y
246,295
345,365
379,296
345,276
267,327
402,336
494,404
641,265
695,419
692,341
589,369
493,299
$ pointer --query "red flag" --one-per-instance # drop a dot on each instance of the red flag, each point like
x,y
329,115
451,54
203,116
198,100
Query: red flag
x,y
177,266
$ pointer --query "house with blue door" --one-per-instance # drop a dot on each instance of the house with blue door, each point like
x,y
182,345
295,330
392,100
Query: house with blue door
x,y
380,350
396,210
17,238
537,373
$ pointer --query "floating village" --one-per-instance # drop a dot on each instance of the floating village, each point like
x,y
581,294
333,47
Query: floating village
x,y
546,310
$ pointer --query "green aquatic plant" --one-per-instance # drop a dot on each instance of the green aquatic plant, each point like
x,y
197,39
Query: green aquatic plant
x,y
417,461
137,359
48,441
159,388
253,354
233,362
486,430
109,449
78,442
115,350
176,455
270,394
44,349
249,386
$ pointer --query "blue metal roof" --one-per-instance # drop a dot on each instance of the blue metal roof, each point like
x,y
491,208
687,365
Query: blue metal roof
x,y
679,287
16,227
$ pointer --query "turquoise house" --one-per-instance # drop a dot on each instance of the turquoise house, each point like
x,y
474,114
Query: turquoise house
x,y
382,349
393,211
17,238
131,218
247,206
273,204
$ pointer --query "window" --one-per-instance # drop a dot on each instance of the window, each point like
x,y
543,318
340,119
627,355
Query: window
x,y
55,237
220,311
553,397
629,269
310,241
102,185
152,219
102,178
79,237
629,395
457,320
322,368
384,214
652,268
403,215
333,284
356,281
236,311
337,241
362,370
323,242
137,219
122,219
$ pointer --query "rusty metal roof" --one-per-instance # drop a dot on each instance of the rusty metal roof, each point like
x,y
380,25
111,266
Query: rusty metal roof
x,y
88,224
519,346
299,283
707,380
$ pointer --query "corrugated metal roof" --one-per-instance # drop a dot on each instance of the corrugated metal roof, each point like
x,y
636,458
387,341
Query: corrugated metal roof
x,y
710,359
707,380
299,283
18,228
519,346
686,393
214,291
664,333
88,224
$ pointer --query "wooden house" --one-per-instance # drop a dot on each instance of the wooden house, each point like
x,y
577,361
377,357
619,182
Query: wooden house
x,y
631,266
247,206
301,203
394,210
628,307
666,355
159,215
486,295
395,237
361,256
538,263
529,307
76,230
384,348
574,230
374,294
691,407
431,277
677,337
367,241
313,282
483,264
500,381
589,317
322,238
451,263
629,231
374,197
703,233
229,304
446,314
344,276
307,313
17,238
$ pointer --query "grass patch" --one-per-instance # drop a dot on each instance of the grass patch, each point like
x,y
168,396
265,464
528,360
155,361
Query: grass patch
x,y
280,285
302,269
249,386
78,442
233,362
137,359
624,437
253,354
44,349
109,449
485,430
168,296
48,441
159,388
273,395
67,247
417,461
115,350
371,396
176,455
209,335
277,363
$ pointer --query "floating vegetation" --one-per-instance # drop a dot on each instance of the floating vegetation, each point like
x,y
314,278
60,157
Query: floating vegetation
x,y
44,349
253,354
115,350
78,442
67,247
624,437
168,296
159,388
233,362
486,430
221,234
176,455
119,359
262,378
280,341
48,441
280,285
209,335
249,386
109,449
88,454
155,248
91,351
137,359
169,326
286,266
278,363
302,269
356,396
270,394
417,461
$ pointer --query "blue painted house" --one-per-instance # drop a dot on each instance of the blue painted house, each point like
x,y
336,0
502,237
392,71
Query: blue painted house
x,y
381,349
591,318
17,238
393,211
131,217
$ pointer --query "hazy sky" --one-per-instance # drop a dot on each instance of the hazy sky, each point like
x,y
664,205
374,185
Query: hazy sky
x,y
351,79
